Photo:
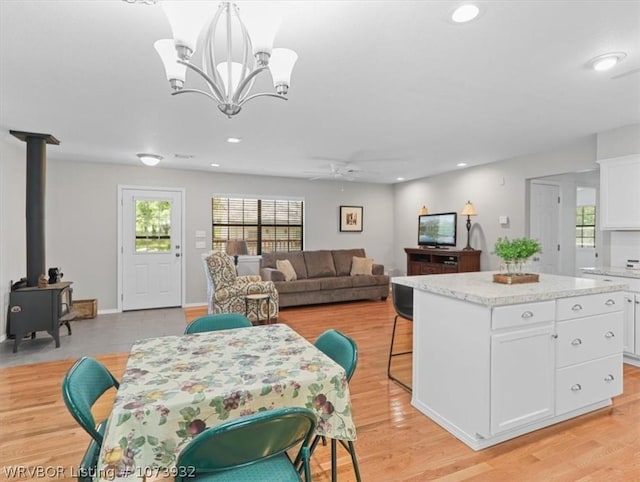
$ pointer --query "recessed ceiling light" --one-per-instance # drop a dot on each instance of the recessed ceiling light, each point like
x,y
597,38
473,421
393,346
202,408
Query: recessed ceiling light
x,y
234,140
399,178
465,13
462,164
213,164
149,159
606,61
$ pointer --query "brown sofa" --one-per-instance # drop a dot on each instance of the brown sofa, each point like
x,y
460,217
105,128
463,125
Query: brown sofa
x,y
324,276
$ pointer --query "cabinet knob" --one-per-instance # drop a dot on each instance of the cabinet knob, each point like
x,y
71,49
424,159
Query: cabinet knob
x,y
609,378
576,307
576,388
609,302
526,315
609,334
576,342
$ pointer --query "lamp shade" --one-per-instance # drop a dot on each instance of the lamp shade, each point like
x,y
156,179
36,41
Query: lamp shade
x,y
167,52
281,65
187,18
423,211
469,209
237,246
262,28
236,74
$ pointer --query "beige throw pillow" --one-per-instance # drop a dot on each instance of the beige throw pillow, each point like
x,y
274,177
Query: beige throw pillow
x,y
360,266
286,268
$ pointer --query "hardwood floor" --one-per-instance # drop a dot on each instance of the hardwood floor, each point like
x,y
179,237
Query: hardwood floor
x,y
395,441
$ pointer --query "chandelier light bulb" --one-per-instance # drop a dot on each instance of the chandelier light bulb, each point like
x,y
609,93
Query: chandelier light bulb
x,y
174,71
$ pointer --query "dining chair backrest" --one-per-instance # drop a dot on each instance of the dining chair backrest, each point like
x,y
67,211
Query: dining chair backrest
x,y
402,300
82,386
247,440
222,321
340,348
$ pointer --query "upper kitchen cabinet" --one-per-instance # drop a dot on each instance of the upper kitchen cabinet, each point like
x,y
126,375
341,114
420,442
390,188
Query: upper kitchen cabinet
x,y
620,193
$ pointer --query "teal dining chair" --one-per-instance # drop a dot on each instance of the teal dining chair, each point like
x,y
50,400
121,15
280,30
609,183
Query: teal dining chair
x,y
250,448
344,351
89,465
223,321
85,382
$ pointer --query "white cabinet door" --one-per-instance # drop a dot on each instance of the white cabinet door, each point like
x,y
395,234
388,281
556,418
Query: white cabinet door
x,y
620,193
629,339
636,323
522,377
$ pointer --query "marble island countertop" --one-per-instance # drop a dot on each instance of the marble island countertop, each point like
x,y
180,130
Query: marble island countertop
x,y
613,271
479,287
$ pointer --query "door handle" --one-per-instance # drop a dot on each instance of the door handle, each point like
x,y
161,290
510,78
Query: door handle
x,y
177,255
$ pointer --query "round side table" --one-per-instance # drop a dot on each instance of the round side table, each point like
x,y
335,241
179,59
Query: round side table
x,y
258,299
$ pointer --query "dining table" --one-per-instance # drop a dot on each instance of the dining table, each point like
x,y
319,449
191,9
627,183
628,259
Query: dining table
x,y
175,387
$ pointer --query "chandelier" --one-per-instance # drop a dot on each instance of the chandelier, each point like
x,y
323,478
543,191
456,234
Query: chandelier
x,y
230,63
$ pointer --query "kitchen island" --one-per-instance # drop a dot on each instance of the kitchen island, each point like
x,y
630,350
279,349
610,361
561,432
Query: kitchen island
x,y
493,361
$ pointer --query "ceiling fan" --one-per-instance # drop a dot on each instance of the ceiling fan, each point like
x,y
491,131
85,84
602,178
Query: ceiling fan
x,y
336,171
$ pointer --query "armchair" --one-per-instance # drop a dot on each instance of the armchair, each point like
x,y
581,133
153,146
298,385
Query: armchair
x,y
226,290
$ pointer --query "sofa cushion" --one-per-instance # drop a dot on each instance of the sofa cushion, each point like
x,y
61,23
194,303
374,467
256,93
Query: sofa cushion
x,y
295,257
369,280
361,266
335,283
299,286
342,259
319,264
286,268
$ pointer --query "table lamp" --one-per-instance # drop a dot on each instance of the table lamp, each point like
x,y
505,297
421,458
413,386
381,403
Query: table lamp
x,y
468,211
236,247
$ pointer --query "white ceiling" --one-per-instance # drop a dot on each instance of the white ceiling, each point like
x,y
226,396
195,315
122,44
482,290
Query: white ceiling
x,y
393,88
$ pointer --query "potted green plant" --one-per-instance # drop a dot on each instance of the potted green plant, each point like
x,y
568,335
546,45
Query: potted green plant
x,y
514,253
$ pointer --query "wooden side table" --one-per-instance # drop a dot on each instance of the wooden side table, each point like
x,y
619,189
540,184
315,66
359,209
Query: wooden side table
x,y
258,299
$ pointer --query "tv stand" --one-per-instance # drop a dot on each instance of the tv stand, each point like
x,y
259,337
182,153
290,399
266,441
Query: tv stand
x,y
428,260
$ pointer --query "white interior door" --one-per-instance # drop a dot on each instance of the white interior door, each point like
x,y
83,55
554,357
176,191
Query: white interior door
x,y
151,250
544,226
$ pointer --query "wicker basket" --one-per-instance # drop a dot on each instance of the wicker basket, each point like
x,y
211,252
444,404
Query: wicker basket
x,y
85,309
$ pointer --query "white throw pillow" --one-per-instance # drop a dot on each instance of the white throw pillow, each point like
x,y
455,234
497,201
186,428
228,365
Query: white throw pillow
x,y
361,266
286,268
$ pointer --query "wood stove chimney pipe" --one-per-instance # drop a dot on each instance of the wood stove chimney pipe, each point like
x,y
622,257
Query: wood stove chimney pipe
x,y
35,202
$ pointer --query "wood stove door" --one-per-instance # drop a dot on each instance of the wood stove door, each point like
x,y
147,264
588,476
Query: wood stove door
x,y
151,249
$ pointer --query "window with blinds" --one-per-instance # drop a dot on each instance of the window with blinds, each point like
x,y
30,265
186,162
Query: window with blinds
x,y
266,225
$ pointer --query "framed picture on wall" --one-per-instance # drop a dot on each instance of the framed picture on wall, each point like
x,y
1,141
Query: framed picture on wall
x,y
351,218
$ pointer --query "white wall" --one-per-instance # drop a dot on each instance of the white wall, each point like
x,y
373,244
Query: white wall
x,y
81,213
495,189
13,262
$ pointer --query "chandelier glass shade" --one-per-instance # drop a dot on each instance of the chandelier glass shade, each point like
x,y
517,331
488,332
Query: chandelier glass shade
x,y
233,53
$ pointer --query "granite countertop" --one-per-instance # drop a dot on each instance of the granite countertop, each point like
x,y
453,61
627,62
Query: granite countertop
x,y
479,287
613,271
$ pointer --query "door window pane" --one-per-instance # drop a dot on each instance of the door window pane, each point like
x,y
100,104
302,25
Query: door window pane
x,y
153,226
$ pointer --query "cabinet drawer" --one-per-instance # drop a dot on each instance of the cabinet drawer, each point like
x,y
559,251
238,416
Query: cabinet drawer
x,y
522,314
578,306
586,383
588,338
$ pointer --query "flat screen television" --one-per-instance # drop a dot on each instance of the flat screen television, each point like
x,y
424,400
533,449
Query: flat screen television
x,y
437,229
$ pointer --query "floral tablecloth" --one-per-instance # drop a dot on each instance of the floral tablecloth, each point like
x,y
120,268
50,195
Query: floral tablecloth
x,y
174,387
